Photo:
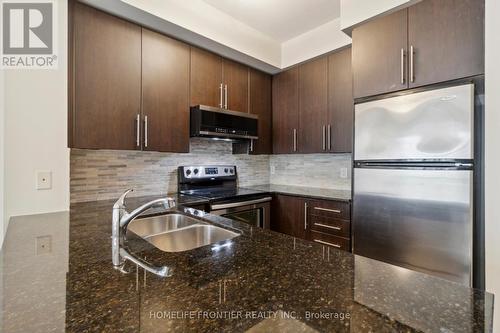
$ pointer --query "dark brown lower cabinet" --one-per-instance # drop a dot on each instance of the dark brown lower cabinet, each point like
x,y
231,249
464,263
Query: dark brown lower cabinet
x,y
287,215
329,223
326,222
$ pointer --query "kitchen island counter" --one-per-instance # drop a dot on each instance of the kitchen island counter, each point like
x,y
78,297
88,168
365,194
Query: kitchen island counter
x,y
57,275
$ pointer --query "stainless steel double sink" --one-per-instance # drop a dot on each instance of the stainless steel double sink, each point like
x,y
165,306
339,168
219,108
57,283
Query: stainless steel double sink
x,y
177,232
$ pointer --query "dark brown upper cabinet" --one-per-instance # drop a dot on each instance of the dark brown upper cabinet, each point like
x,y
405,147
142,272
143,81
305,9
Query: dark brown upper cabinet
x,y
235,77
313,106
379,55
286,111
261,105
340,102
313,103
105,81
430,42
218,82
206,78
447,39
165,106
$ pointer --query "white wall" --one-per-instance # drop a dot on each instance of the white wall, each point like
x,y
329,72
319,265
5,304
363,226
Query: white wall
x,y
204,19
353,12
2,115
313,43
36,133
492,163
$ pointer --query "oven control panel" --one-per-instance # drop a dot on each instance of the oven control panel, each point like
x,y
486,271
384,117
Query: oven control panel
x,y
207,171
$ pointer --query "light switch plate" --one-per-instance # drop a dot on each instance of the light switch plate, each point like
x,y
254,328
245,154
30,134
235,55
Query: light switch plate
x,y
43,245
273,169
343,172
43,180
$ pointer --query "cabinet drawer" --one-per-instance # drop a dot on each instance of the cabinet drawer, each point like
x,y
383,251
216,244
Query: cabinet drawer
x,y
340,243
332,209
330,225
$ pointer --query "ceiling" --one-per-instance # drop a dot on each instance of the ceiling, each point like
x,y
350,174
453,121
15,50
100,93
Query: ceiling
x,y
280,19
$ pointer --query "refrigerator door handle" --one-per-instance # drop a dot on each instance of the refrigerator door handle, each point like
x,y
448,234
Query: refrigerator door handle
x,y
458,165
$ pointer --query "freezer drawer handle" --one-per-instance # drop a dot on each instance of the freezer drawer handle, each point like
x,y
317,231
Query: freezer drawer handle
x,y
328,210
326,243
327,226
240,203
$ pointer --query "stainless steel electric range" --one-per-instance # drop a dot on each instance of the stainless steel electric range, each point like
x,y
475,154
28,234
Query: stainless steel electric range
x,y
218,185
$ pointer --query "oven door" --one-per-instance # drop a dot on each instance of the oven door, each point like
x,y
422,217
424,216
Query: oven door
x,y
254,212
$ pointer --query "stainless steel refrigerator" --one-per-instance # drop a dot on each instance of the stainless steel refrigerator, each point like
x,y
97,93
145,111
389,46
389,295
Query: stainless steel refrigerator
x,y
413,181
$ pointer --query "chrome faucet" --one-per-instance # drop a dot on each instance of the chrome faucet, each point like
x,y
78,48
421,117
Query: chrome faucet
x,y
121,219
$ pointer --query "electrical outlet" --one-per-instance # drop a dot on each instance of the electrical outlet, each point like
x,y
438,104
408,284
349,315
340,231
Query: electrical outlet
x,y
44,180
343,172
273,169
43,245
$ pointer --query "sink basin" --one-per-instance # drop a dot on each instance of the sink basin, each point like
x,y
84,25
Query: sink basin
x,y
150,226
177,232
190,238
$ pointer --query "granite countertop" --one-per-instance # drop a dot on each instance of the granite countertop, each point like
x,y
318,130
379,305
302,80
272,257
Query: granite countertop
x,y
57,275
312,192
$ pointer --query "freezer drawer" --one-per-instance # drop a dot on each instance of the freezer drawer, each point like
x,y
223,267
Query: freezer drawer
x,y
418,219
435,124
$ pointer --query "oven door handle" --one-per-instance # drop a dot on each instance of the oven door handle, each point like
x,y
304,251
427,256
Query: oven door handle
x,y
240,203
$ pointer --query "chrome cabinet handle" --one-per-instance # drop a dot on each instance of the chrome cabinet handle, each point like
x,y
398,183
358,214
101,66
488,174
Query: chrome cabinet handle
x,y
305,215
146,131
138,130
251,145
220,95
326,243
294,139
412,64
225,96
328,210
402,66
327,226
329,135
324,137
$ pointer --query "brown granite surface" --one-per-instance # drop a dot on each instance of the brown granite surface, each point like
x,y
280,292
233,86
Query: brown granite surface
x,y
311,192
263,282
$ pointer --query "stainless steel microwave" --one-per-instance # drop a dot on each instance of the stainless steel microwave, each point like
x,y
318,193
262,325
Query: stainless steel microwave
x,y
207,121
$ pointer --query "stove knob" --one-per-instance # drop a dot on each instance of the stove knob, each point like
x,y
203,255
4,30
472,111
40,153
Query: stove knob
x,y
195,171
232,171
188,172
226,170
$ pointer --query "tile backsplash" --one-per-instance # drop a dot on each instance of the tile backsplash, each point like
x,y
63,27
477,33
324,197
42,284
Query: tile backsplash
x,y
105,174
313,170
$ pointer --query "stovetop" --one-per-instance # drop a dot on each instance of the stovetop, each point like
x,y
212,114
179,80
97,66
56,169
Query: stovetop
x,y
222,193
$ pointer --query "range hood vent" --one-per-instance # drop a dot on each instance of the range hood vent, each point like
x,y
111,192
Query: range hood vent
x,y
211,122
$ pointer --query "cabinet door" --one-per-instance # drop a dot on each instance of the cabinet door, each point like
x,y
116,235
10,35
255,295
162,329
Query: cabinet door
x,y
260,104
313,104
447,38
340,102
236,85
206,78
106,81
288,216
165,106
377,62
285,111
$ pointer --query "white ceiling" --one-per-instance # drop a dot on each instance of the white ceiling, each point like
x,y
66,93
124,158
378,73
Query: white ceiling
x,y
280,19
